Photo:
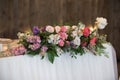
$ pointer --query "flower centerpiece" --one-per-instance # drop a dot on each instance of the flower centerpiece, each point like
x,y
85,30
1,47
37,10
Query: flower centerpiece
x,y
52,41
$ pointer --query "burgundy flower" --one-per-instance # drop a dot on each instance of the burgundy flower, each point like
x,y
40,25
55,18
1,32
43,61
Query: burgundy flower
x,y
83,44
68,43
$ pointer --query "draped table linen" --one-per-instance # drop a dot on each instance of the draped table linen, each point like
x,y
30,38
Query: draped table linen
x,y
86,67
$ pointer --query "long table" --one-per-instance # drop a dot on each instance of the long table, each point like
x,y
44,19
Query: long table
x,y
86,67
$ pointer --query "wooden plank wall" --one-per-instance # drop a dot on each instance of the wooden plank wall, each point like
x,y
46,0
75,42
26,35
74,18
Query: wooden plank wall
x,y
19,15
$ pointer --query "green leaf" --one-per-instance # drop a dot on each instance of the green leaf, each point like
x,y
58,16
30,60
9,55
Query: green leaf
x,y
51,56
106,55
42,57
33,52
81,51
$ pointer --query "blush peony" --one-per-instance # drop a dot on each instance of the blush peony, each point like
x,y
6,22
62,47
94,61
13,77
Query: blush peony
x,y
63,35
49,29
57,29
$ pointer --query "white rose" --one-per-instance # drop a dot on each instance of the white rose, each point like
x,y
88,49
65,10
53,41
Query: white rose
x,y
77,41
49,29
102,22
74,34
57,29
51,38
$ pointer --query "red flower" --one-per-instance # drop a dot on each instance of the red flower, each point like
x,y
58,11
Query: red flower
x,y
93,41
86,32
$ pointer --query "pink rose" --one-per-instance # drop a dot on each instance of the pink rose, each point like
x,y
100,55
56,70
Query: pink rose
x,y
86,32
63,35
93,41
63,29
61,43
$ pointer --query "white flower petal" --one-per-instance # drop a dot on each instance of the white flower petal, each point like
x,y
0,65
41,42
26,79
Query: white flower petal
x,y
101,22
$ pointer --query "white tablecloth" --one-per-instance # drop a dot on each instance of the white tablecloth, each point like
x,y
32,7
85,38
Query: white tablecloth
x,y
86,67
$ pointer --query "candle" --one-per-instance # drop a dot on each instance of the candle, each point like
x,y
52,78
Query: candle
x,y
91,28
5,47
0,47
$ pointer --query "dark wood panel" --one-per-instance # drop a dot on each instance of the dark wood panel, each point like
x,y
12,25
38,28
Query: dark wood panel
x,y
115,26
43,12
22,10
6,18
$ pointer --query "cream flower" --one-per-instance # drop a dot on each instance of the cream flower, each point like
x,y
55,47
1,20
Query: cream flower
x,y
80,33
77,41
67,27
49,29
101,22
57,29
81,25
20,35
54,39
59,50
74,27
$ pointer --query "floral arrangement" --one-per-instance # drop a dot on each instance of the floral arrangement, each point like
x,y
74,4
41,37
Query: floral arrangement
x,y
52,41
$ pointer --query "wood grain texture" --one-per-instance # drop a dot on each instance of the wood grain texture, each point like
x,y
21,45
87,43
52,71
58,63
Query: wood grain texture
x,y
19,15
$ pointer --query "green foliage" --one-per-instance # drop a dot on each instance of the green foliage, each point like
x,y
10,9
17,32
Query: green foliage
x,y
33,52
78,50
52,53
99,48
51,56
